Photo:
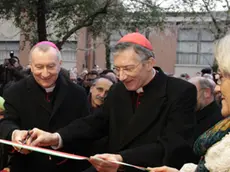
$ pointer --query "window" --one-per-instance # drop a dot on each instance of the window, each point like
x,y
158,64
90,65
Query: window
x,y
68,51
195,47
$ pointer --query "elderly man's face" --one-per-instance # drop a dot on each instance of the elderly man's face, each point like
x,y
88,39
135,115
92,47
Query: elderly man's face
x,y
45,67
99,91
131,70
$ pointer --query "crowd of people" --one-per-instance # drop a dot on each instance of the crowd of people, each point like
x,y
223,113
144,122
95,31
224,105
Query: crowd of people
x,y
135,113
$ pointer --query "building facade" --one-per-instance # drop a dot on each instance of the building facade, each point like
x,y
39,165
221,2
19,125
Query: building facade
x,y
179,48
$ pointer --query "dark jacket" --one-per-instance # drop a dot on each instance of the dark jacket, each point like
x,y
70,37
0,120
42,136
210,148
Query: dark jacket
x,y
100,145
207,118
9,76
160,132
27,108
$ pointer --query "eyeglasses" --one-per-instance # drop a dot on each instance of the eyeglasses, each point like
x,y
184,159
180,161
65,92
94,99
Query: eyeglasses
x,y
128,70
218,78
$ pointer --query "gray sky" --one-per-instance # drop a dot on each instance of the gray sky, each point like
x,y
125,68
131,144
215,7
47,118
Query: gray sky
x,y
167,3
178,5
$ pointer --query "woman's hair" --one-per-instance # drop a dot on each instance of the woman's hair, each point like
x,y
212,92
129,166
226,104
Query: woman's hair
x,y
222,54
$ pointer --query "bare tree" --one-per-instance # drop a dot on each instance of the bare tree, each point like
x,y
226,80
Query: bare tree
x,y
59,20
128,16
55,19
213,13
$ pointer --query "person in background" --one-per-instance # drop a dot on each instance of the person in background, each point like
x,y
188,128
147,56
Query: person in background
x,y
198,74
10,72
98,92
81,77
207,70
213,145
184,76
97,68
88,80
97,96
208,76
208,112
73,76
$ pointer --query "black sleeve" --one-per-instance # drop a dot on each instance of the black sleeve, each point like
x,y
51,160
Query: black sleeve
x,y
174,146
11,119
91,127
85,108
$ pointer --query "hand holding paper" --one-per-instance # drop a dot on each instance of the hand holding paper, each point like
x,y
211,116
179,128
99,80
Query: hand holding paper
x,y
104,162
163,169
20,136
42,138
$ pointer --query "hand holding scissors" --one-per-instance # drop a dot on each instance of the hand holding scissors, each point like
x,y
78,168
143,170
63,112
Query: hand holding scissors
x,y
21,136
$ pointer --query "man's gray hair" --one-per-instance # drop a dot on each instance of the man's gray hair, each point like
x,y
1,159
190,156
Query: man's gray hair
x,y
222,54
208,76
102,77
207,83
204,83
44,48
143,52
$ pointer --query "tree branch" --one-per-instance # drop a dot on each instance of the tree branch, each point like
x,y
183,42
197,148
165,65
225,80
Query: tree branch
x,y
91,48
58,6
227,5
227,20
147,4
84,23
217,35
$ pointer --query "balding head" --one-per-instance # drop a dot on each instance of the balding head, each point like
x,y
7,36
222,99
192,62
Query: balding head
x,y
44,47
205,91
203,82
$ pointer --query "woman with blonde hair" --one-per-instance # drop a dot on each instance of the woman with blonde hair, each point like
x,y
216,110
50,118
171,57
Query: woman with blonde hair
x,y
213,146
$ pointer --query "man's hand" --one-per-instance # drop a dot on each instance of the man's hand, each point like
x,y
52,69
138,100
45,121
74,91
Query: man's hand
x,y
163,169
19,136
103,162
42,138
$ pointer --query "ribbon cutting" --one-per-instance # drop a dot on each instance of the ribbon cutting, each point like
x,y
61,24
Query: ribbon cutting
x,y
62,154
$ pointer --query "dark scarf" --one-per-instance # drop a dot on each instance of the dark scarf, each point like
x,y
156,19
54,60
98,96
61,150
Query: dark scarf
x,y
209,138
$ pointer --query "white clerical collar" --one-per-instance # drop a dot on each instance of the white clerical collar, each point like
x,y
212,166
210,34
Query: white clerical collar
x,y
141,90
50,89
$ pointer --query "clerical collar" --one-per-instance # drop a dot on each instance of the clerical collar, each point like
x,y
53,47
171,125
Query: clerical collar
x,y
141,90
50,89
